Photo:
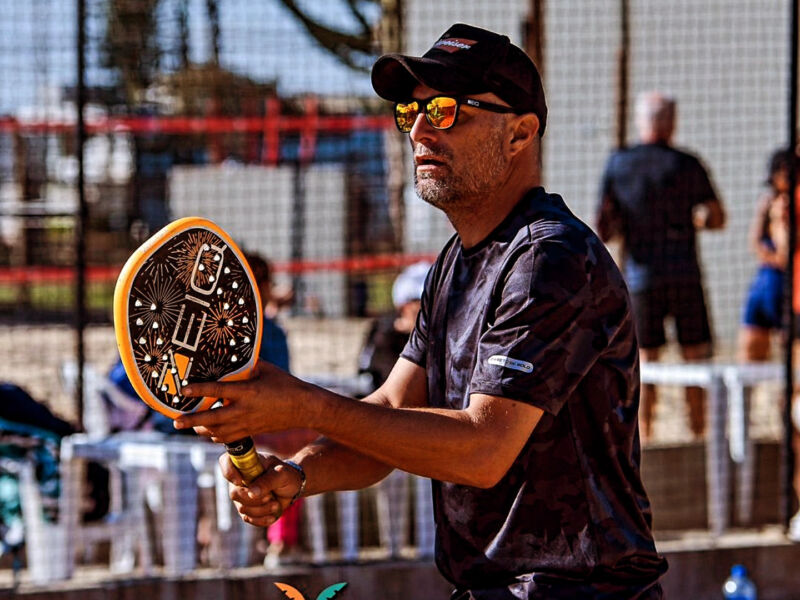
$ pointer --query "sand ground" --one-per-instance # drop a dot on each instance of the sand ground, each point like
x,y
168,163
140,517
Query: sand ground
x,y
32,356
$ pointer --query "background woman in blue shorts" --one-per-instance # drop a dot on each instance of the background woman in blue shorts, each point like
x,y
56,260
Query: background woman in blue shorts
x,y
769,239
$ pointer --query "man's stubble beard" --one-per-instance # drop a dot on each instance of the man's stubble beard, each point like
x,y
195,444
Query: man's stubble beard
x,y
480,168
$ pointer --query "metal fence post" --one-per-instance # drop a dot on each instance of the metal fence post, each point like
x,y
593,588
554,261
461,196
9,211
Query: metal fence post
x,y
787,452
82,216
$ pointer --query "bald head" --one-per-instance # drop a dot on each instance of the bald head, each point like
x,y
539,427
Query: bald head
x,y
655,117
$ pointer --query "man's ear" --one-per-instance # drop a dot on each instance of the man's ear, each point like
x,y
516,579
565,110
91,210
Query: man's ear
x,y
524,129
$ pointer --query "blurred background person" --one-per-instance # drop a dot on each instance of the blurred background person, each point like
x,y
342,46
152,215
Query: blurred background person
x,y
382,347
284,536
769,241
389,333
274,344
763,313
653,199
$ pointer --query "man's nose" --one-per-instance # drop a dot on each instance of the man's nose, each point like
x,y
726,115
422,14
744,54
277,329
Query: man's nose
x,y
422,130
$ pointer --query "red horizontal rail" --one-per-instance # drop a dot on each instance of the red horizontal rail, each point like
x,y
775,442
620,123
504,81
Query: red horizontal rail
x,y
107,274
363,264
18,275
199,125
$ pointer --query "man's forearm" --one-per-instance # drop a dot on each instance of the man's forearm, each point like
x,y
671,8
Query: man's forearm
x,y
364,440
474,446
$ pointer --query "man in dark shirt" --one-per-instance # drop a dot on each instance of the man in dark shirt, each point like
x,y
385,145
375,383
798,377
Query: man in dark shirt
x,y
653,197
517,392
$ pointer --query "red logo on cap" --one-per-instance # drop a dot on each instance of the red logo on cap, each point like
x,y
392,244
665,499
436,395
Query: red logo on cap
x,y
454,44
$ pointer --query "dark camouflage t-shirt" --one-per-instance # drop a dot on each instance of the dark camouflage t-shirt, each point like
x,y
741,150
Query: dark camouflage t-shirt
x,y
539,313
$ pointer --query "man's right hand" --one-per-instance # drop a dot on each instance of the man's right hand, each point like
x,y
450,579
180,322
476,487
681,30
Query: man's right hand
x,y
264,500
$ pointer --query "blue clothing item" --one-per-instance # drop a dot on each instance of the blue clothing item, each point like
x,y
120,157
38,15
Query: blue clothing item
x,y
274,346
132,416
652,189
18,406
764,305
119,378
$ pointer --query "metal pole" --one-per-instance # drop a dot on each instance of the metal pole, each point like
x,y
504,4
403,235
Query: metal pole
x,y
298,229
534,35
787,492
535,46
622,74
82,216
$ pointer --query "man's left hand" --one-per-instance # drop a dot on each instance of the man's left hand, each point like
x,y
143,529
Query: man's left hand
x,y
264,500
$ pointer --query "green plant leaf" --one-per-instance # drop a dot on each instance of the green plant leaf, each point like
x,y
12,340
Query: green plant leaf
x,y
332,591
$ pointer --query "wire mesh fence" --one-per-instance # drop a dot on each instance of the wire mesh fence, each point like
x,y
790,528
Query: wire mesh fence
x,y
261,117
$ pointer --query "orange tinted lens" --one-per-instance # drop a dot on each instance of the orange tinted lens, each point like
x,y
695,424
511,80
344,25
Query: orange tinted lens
x,y
442,112
405,115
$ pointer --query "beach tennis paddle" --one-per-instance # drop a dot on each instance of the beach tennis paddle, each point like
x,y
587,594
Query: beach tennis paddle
x,y
187,309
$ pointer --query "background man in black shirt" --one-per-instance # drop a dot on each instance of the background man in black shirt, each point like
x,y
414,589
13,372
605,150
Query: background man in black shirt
x,y
653,198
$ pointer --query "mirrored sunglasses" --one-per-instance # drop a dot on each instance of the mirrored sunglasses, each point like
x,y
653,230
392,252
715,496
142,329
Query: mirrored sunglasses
x,y
441,112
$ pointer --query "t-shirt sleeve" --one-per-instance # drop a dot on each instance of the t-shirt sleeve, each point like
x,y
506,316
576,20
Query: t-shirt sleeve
x,y
700,185
544,335
608,218
274,345
607,180
416,349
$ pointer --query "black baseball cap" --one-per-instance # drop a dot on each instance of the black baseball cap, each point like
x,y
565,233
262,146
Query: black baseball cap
x,y
466,60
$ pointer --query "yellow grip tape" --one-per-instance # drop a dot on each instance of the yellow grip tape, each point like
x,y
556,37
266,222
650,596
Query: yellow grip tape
x,y
248,465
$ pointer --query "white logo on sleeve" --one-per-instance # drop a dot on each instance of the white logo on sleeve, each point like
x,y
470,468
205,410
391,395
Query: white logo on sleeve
x,y
511,363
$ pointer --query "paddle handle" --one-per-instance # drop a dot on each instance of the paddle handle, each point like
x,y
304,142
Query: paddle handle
x,y
245,458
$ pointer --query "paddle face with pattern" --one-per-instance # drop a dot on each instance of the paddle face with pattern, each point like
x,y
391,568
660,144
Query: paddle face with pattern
x,y
187,309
